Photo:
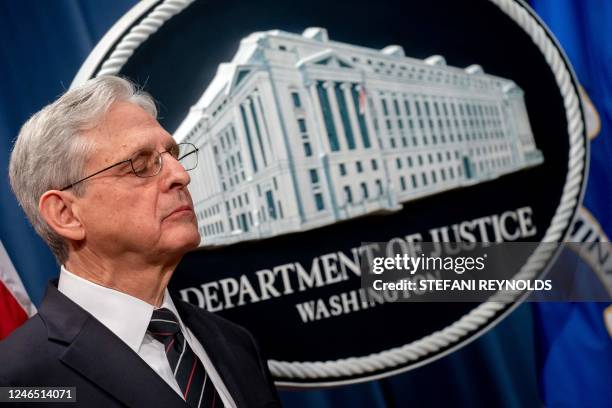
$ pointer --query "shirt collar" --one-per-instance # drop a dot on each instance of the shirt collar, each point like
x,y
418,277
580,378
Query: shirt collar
x,y
126,316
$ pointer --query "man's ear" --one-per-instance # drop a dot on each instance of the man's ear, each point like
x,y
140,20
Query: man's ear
x,y
57,209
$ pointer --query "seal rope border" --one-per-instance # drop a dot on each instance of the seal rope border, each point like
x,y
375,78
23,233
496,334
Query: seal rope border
x,y
480,316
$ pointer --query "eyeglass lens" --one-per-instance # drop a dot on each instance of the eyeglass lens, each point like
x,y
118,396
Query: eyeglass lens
x,y
148,162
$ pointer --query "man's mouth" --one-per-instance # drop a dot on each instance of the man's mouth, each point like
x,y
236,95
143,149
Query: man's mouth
x,y
182,210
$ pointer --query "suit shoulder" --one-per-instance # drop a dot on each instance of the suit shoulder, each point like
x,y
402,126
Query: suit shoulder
x,y
32,331
24,342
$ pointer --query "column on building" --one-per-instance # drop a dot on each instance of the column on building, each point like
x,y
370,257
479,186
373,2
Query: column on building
x,y
329,87
199,175
420,121
324,108
261,117
361,114
379,117
247,126
339,103
345,88
327,138
255,126
410,120
210,173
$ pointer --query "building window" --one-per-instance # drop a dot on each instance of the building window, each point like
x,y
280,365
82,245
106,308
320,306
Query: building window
x,y
364,191
302,125
403,183
374,164
297,102
245,225
307,149
379,186
314,176
359,167
319,201
385,108
407,107
342,168
348,195
396,106
398,162
271,208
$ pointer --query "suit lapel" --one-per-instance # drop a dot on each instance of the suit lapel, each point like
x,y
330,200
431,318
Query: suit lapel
x,y
96,353
217,349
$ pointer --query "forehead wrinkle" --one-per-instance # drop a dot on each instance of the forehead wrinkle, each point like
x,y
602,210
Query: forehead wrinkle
x,y
125,130
150,139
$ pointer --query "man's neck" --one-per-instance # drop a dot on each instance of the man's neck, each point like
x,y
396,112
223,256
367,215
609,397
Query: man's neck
x,y
143,281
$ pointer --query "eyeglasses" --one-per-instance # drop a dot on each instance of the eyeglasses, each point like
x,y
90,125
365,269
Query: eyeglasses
x,y
148,162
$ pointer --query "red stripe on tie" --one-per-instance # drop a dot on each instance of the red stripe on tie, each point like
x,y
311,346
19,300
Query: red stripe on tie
x,y
161,334
169,345
214,399
190,376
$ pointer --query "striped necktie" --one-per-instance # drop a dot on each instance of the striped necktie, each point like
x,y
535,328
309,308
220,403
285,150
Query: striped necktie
x,y
196,386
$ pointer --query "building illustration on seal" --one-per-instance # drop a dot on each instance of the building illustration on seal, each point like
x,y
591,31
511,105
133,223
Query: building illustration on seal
x,y
299,131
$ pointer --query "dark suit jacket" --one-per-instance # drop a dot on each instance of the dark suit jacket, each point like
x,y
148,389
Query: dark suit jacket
x,y
63,345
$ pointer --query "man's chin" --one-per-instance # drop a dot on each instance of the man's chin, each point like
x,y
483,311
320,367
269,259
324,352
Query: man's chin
x,y
185,242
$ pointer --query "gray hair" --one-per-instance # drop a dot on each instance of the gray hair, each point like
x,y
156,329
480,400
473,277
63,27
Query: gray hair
x,y
51,151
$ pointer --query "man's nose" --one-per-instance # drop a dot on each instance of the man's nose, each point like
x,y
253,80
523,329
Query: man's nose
x,y
175,173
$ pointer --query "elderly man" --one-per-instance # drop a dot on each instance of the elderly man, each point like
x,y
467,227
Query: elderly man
x,y
106,187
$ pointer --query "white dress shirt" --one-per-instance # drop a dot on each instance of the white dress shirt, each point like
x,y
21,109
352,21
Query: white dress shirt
x,y
128,318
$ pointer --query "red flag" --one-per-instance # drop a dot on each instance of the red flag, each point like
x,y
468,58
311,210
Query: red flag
x,y
15,305
362,100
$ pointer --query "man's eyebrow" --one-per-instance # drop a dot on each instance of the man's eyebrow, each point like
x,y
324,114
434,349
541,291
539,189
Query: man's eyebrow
x,y
171,145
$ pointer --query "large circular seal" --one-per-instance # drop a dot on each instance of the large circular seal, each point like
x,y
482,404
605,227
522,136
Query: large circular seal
x,y
322,126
